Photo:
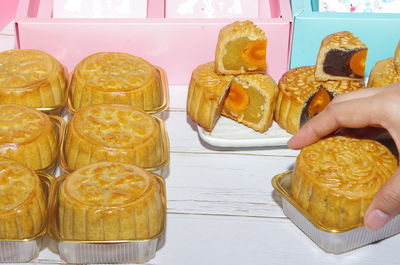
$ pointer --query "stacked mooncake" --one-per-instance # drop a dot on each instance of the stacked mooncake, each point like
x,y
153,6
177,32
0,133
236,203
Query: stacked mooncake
x,y
305,91
235,84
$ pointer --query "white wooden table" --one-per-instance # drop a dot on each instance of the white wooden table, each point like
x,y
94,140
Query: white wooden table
x,y
222,208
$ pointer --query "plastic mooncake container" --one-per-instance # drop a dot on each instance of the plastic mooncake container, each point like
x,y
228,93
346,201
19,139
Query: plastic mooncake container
x,y
330,240
156,111
161,169
116,251
24,250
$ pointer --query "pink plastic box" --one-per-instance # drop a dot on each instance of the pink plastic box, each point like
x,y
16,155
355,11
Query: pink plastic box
x,y
8,9
177,45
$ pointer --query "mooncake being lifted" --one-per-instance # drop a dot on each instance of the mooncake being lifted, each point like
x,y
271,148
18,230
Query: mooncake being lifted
x,y
32,78
119,78
251,101
241,48
335,179
206,95
110,201
114,133
301,97
27,136
341,56
22,203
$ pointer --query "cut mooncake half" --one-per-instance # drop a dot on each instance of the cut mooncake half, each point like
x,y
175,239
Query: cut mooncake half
x,y
118,78
110,201
383,73
206,95
341,56
27,136
114,133
241,48
301,97
32,78
335,179
397,58
251,101
22,203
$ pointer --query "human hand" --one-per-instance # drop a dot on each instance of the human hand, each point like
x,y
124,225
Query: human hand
x,y
377,107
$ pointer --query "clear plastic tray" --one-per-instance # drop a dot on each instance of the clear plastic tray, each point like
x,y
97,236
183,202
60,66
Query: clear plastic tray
x,y
330,240
124,251
161,169
25,250
164,91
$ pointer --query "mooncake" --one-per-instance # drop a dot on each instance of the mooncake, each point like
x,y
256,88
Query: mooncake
x,y
118,78
110,201
335,179
397,58
114,133
341,56
383,73
301,97
22,203
241,48
206,95
32,78
27,136
251,101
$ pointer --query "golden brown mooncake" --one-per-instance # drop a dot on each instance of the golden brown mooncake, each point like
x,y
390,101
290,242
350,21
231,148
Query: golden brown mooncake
x,y
22,202
241,48
301,97
335,179
341,56
206,95
397,58
114,133
110,201
251,101
27,136
383,73
32,78
118,78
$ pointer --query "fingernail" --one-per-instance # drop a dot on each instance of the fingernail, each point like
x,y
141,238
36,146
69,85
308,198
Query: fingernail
x,y
376,219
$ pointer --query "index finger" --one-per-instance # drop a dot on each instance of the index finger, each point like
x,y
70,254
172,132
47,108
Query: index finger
x,y
356,113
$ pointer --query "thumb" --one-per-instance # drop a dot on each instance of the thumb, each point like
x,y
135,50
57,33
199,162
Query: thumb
x,y
385,205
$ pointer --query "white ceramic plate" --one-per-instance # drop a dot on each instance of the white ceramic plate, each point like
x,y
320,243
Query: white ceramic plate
x,y
229,133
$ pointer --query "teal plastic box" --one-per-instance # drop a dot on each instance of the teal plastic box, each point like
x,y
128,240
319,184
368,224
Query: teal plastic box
x,y
380,32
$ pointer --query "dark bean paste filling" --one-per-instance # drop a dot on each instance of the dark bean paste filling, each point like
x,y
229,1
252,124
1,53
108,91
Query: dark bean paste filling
x,y
337,63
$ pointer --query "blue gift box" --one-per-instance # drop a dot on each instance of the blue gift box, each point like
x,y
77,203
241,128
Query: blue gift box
x,y
380,32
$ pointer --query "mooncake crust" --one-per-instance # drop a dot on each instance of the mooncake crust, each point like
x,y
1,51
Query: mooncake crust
x,y
397,58
295,88
343,40
27,136
110,201
268,88
114,133
32,78
22,204
206,95
231,32
335,179
383,73
115,78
